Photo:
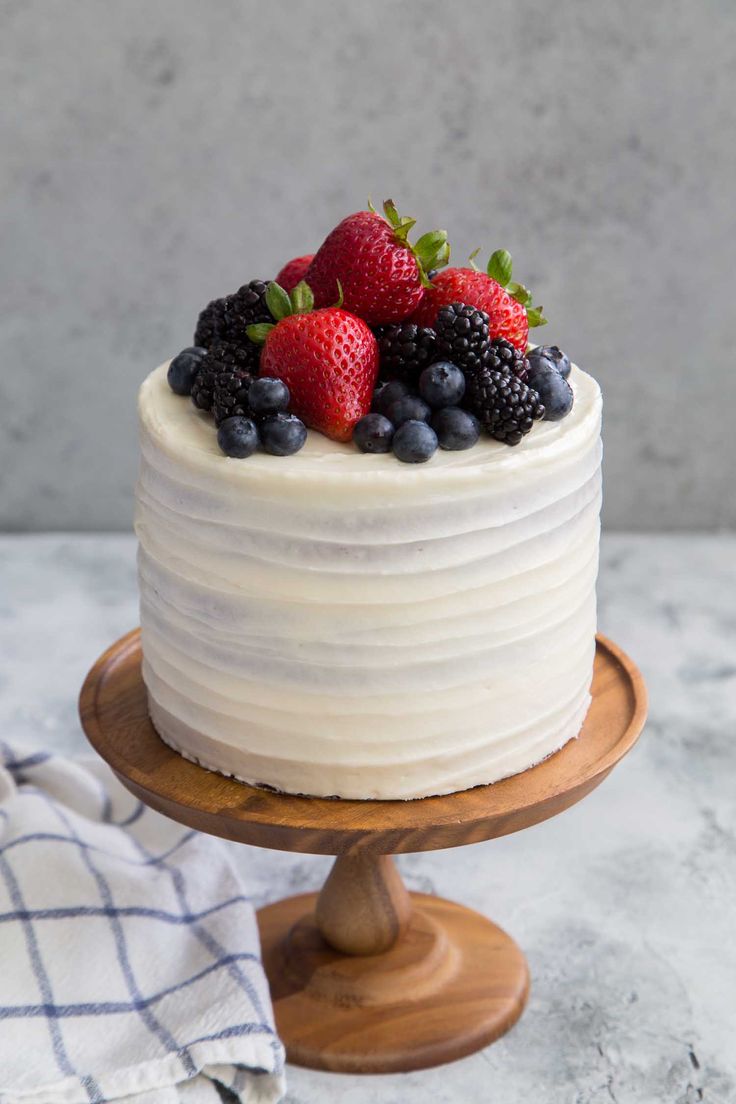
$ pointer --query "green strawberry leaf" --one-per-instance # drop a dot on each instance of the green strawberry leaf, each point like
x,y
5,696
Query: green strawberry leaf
x,y
302,300
442,257
392,215
258,332
499,267
429,247
471,259
401,232
278,301
519,293
535,317
431,251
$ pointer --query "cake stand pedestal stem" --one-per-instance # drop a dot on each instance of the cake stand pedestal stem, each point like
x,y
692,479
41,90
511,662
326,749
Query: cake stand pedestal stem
x,y
364,906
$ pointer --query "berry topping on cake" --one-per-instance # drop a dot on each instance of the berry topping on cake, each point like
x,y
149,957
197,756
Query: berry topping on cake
x,y
183,369
456,429
327,358
268,396
442,384
306,349
505,357
230,395
373,433
211,323
551,354
462,335
238,437
222,359
408,408
387,394
381,274
507,304
294,271
283,434
405,349
247,307
505,407
553,390
414,442
227,319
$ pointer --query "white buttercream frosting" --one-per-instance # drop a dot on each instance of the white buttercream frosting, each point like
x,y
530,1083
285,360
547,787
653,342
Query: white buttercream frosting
x,y
335,623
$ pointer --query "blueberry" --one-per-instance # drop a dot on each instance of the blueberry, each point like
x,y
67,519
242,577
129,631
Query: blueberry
x,y
554,391
442,384
183,369
388,394
238,437
414,442
550,354
410,408
373,433
456,429
268,396
283,434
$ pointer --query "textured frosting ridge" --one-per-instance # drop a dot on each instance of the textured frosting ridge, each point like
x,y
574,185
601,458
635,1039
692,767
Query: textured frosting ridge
x,y
335,623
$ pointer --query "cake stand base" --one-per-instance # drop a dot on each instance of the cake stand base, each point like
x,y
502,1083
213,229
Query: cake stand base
x,y
365,977
452,984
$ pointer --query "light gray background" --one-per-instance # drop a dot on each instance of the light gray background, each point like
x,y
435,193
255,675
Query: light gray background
x,y
159,152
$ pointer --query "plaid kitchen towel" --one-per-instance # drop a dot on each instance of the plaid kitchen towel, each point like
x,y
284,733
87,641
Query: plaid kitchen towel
x,y
129,954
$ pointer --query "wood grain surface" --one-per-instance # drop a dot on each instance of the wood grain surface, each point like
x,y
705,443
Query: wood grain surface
x,y
363,908
114,715
451,985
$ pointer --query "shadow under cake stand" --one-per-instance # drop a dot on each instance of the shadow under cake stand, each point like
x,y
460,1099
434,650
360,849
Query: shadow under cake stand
x,y
366,977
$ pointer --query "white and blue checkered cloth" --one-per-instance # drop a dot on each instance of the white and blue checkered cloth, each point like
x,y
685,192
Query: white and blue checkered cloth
x,y
129,953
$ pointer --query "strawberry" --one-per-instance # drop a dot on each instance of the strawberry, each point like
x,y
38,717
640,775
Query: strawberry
x,y
294,271
327,358
382,276
507,304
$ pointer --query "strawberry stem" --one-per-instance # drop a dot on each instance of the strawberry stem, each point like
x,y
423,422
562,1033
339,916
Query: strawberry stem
x,y
431,251
499,269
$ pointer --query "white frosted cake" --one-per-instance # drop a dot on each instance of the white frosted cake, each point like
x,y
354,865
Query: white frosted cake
x,y
368,521
336,623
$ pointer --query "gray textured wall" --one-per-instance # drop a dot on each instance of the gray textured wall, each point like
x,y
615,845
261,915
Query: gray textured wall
x,y
159,152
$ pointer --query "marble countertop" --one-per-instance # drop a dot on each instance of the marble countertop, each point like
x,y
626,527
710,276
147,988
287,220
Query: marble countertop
x,y
625,905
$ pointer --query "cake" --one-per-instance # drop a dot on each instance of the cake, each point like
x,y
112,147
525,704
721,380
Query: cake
x,y
323,619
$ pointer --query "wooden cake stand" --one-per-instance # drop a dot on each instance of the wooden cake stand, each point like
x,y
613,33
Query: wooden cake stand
x,y
366,977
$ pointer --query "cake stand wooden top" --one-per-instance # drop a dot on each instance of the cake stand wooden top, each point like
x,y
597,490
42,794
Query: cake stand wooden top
x,y
114,715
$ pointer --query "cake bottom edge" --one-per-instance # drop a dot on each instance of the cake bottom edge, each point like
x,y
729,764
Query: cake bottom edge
x,y
277,776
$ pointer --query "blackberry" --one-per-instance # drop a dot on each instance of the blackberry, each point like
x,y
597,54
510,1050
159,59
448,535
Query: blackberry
x,y
211,322
246,308
227,319
232,356
222,358
405,350
505,357
230,395
462,335
503,404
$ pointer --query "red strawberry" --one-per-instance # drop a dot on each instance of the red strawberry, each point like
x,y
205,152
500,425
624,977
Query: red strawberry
x,y
327,358
381,275
507,304
294,271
